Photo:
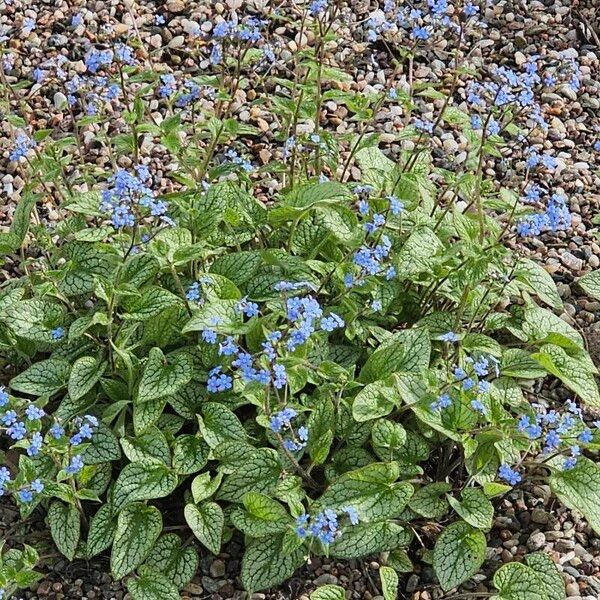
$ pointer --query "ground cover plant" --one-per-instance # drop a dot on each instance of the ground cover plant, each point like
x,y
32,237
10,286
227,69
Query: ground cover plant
x,y
333,353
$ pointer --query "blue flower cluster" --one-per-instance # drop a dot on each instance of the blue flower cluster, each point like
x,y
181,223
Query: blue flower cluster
x,y
509,475
324,526
23,144
246,32
25,428
472,382
558,432
419,21
127,193
305,317
283,421
555,217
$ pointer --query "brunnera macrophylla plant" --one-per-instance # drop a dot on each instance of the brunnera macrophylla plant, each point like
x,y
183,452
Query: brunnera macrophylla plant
x,y
323,366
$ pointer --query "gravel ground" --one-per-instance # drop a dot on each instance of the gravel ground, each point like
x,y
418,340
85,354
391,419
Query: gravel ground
x,y
528,519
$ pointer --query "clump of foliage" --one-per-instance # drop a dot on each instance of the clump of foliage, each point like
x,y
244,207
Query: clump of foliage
x,y
325,367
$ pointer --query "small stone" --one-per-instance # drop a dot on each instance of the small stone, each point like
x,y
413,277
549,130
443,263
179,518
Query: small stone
x,y
217,568
536,541
326,579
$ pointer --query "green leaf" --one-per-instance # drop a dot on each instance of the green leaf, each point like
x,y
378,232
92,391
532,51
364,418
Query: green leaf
x,y
20,220
143,480
569,370
238,267
102,531
265,565
329,592
222,312
32,319
399,561
519,363
150,304
389,583
152,585
258,473
418,255
190,454
138,528
590,284
163,377
373,401
539,282
203,486
388,437
474,508
146,414
579,489
64,527
430,500
86,372
103,446
320,427
149,445
405,351
262,516
539,323
372,491
365,539
43,378
515,581
169,557
547,571
219,424
206,522
458,553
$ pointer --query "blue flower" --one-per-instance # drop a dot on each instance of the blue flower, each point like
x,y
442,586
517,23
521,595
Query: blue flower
x,y
509,475
317,7
443,401
470,9
552,441
4,479
35,444
33,412
332,322
29,25
468,384
250,309
23,143
450,337
17,431
279,376
56,431
25,495
301,526
37,486
586,436
159,20
303,433
209,336
98,58
459,373
478,406
396,206
282,419
376,305
75,465
3,396
352,514
218,382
